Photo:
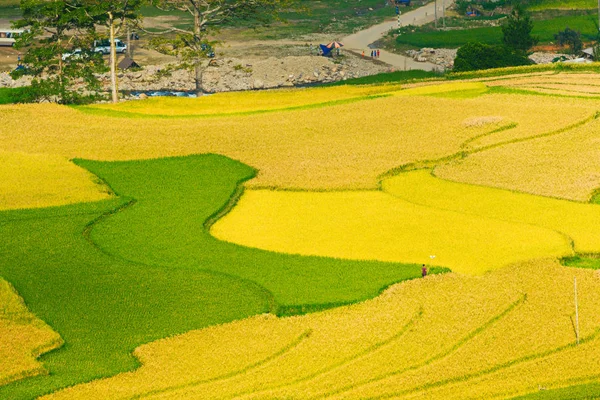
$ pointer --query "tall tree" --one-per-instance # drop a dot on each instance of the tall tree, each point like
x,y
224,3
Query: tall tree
x,y
114,15
570,38
517,30
191,45
53,28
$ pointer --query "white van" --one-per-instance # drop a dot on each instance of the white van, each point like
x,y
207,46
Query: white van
x,y
8,36
103,46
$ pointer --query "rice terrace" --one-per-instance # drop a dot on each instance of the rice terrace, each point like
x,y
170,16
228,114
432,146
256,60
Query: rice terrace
x,y
187,248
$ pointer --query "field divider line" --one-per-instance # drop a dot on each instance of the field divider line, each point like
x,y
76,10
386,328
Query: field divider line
x,y
433,163
509,126
440,356
358,356
574,95
124,114
516,90
281,352
518,361
130,202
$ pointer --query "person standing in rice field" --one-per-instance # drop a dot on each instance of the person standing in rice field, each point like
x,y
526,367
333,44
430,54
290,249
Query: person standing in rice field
x,y
424,271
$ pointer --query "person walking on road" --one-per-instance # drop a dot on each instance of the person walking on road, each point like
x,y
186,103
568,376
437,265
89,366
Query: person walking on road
x,y
378,53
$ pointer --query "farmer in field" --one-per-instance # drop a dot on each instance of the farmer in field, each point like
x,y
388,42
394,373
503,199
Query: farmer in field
x,y
424,271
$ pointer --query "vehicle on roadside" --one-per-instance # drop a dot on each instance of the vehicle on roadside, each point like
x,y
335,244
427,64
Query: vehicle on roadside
x,y
75,54
103,46
8,36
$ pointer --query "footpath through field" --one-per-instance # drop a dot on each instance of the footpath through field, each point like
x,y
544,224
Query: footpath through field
x,y
360,41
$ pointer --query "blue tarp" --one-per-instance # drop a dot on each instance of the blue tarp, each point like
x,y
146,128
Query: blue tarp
x,y
326,50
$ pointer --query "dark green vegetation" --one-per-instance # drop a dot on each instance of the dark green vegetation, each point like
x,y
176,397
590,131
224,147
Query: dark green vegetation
x,y
112,275
389,77
589,391
13,95
545,30
475,56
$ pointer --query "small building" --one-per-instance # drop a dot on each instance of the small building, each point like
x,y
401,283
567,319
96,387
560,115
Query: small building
x,y
127,63
588,53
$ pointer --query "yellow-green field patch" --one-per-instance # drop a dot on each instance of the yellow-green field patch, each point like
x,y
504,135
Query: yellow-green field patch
x,y
366,225
580,222
23,338
348,146
41,180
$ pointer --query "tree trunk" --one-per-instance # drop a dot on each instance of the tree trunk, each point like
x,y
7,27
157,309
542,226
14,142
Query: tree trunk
x,y
198,67
128,41
113,61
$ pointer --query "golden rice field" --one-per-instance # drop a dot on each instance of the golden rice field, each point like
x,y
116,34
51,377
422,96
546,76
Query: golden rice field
x,y
367,225
347,147
564,166
453,336
24,338
566,84
44,180
579,222
500,325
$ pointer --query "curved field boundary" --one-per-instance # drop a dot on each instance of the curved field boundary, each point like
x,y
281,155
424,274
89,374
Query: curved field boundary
x,y
529,92
290,347
531,357
125,114
25,338
342,363
428,164
578,222
106,236
143,298
436,357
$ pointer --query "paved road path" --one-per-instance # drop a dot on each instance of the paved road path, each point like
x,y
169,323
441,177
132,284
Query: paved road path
x,y
360,41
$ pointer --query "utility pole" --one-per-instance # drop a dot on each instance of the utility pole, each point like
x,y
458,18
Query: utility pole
x,y
444,13
576,310
435,12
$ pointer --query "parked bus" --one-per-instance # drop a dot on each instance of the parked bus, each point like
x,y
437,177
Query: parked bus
x,y
8,36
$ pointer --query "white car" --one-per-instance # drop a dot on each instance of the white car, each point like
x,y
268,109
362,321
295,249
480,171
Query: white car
x,y
75,54
103,46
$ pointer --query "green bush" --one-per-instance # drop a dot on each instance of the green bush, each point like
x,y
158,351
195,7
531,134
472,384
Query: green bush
x,y
476,56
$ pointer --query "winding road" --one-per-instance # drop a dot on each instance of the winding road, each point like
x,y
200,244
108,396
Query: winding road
x,y
360,41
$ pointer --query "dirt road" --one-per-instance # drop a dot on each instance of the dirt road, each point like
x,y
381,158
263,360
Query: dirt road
x,y
361,40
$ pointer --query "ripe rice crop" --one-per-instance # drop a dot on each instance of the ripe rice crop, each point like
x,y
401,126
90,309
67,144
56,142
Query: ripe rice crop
x,y
41,180
159,272
24,338
450,336
241,102
565,165
376,226
564,84
580,222
340,147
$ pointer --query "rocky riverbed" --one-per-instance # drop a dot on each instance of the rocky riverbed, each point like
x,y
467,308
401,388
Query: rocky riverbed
x,y
233,74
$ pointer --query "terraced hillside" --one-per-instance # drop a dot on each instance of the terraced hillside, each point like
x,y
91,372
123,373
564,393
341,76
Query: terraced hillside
x,y
269,251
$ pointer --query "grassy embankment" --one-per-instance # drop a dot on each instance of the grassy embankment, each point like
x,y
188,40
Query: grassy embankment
x,y
545,30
